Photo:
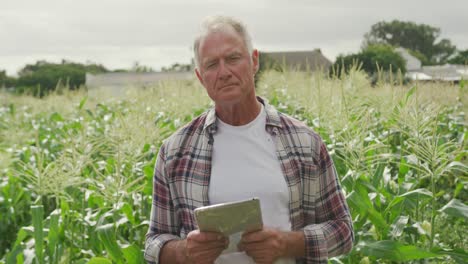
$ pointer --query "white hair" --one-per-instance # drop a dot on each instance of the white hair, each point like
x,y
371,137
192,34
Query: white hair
x,y
218,23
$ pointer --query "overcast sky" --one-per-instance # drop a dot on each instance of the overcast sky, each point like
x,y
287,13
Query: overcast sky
x,y
157,33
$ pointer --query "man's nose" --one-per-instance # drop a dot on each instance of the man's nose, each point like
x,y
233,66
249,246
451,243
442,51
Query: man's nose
x,y
224,71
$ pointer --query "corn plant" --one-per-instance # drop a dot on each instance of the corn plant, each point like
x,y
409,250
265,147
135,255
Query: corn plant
x,y
76,168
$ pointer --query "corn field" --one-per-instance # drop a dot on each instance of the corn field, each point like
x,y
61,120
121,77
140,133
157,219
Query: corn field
x,y
76,170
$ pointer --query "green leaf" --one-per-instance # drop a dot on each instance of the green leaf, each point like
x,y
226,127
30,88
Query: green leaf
x,y
13,256
458,189
458,254
335,261
377,177
402,170
417,194
455,208
146,148
395,201
82,102
64,208
56,117
395,251
359,200
95,201
53,235
128,211
98,260
110,165
408,95
22,234
133,254
107,237
148,170
37,218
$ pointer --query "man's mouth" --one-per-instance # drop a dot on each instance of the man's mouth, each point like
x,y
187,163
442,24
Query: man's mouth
x,y
227,85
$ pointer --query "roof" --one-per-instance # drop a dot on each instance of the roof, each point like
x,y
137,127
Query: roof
x,y
419,76
412,63
300,60
446,72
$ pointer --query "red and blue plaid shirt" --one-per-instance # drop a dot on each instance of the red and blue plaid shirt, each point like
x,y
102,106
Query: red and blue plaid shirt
x,y
317,205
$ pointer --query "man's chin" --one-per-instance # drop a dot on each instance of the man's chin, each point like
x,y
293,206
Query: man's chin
x,y
230,98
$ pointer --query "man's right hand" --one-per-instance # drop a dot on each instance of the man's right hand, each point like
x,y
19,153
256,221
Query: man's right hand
x,y
204,247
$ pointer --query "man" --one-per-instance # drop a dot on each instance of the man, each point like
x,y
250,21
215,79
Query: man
x,y
244,148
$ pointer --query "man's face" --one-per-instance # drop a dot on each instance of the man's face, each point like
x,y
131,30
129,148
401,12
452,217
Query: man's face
x,y
226,69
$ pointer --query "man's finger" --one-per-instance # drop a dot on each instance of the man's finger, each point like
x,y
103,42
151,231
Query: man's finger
x,y
197,235
253,246
204,246
255,236
206,255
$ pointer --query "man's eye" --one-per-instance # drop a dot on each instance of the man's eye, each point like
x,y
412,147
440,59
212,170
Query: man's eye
x,y
234,58
210,65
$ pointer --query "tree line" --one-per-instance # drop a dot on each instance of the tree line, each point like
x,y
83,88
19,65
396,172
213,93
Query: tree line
x,y
43,77
420,40
377,54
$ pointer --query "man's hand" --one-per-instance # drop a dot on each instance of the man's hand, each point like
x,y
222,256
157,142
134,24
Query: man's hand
x,y
204,247
268,245
264,246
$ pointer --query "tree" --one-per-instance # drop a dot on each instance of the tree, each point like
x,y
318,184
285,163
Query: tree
x,y
417,37
141,68
5,80
372,59
177,67
460,58
43,77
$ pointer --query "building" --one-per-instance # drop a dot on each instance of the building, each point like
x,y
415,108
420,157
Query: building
x,y
126,79
299,60
412,63
117,83
445,73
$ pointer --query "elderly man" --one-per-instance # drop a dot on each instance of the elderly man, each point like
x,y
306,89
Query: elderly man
x,y
244,148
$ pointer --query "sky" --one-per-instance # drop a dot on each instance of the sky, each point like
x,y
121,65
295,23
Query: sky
x,y
159,33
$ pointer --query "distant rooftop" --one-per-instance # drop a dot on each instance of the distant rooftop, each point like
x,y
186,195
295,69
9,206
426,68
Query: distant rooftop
x,y
300,60
446,72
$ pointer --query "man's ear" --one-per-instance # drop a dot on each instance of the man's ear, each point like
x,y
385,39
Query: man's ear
x,y
255,60
198,75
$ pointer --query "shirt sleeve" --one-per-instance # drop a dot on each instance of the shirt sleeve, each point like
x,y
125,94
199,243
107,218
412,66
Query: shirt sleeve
x,y
331,234
164,223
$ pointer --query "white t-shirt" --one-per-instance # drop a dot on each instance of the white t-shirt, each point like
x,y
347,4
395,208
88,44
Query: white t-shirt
x,y
245,165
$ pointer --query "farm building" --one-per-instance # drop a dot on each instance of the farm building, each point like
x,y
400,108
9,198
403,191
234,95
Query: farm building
x,y
117,79
117,83
412,63
300,60
446,73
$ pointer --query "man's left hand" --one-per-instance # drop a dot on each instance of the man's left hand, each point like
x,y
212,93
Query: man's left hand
x,y
264,246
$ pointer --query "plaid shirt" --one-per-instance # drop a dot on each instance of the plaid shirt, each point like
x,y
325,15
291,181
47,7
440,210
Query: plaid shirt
x,y
316,204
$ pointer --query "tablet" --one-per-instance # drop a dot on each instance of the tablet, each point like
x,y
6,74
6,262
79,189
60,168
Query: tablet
x,y
230,218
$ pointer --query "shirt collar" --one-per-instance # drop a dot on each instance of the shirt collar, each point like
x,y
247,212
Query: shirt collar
x,y
272,117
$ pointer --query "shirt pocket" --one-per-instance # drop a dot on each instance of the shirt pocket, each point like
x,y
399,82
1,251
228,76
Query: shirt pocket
x,y
310,183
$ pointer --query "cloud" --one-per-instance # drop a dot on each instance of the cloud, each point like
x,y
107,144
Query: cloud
x,y
160,32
